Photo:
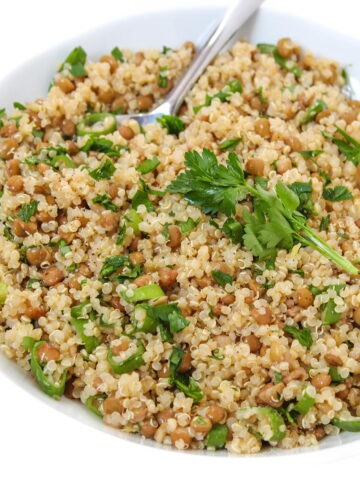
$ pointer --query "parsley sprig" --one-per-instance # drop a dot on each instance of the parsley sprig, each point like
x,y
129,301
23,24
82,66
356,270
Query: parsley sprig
x,y
276,221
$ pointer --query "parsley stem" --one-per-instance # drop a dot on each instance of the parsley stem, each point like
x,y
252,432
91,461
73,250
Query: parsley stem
x,y
310,238
313,240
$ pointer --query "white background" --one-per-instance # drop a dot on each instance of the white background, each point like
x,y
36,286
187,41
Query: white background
x,y
37,443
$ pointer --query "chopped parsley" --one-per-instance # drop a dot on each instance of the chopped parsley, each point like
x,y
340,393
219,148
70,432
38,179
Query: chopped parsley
x,y
304,190
329,314
259,92
8,234
103,171
117,54
148,165
326,177
223,95
345,76
165,50
162,79
298,272
37,133
303,335
173,124
217,436
230,144
76,61
310,153
122,234
336,378
189,225
311,112
183,381
222,278
283,62
215,355
28,210
232,229
337,194
165,230
118,268
73,267
103,145
32,281
19,106
167,317
106,202
324,223
349,147
63,247
81,314
141,197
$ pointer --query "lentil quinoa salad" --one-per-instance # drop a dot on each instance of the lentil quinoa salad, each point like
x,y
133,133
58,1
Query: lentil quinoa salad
x,y
193,281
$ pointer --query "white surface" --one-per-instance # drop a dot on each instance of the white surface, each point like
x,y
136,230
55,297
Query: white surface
x,y
35,442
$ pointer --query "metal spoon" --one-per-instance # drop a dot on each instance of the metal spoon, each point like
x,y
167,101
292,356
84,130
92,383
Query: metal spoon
x,y
234,18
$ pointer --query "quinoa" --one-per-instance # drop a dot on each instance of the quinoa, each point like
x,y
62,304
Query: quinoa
x,y
74,261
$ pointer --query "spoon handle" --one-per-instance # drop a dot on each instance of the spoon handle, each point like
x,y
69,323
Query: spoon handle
x,y
234,18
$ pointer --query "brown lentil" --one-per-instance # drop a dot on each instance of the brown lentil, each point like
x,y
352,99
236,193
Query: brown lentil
x,y
15,183
52,276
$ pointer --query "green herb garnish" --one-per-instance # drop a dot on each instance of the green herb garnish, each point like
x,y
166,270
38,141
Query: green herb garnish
x,y
148,165
324,223
76,60
183,381
304,190
221,278
310,153
122,234
283,62
259,92
117,54
162,79
106,202
336,378
275,223
19,106
63,247
223,95
217,436
103,145
173,124
32,281
326,177
28,210
103,171
167,317
311,112
337,194
121,266
303,335
349,147
188,226
230,144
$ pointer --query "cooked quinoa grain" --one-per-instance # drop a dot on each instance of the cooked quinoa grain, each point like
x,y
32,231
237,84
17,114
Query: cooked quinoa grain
x,y
156,306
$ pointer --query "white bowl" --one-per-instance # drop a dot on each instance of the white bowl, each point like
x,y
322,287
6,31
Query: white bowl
x,y
154,30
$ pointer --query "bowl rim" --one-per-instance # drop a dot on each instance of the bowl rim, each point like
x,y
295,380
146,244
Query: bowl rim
x,y
343,450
